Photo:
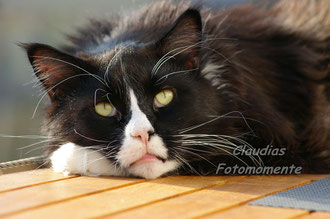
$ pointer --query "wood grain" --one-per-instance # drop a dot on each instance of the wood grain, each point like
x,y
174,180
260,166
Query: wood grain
x,y
257,212
126,197
216,198
44,194
316,215
19,180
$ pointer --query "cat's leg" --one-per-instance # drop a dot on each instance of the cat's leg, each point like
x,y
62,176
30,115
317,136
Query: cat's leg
x,y
73,159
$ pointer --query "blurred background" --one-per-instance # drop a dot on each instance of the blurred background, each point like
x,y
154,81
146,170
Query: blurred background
x,y
42,21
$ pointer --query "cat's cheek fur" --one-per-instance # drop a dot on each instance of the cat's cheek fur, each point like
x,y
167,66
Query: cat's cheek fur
x,y
73,159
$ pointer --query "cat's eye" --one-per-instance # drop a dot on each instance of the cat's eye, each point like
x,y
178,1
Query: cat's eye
x,y
105,109
163,98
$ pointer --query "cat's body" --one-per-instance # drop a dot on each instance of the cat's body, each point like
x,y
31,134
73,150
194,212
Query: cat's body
x,y
248,76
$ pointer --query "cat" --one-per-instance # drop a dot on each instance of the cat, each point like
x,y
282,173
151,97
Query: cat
x,y
179,88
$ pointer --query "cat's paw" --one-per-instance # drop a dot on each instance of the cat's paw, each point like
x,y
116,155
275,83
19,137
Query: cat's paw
x,y
72,159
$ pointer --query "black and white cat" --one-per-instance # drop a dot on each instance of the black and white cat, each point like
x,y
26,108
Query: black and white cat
x,y
176,89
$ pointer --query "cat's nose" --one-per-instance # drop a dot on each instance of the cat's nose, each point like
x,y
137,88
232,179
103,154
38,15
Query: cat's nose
x,y
143,135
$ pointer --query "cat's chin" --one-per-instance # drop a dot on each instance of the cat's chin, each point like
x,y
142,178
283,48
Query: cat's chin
x,y
70,158
73,159
153,169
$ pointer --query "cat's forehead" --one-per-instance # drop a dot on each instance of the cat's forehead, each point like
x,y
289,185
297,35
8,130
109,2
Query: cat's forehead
x,y
128,65
123,69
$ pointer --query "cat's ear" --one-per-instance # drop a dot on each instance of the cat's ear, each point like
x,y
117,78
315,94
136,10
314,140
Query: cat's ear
x,y
184,37
57,71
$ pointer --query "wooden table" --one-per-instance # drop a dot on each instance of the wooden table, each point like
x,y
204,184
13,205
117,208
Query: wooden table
x,y
44,194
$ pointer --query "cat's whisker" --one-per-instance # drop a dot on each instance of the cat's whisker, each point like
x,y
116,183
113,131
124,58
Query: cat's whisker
x,y
36,143
216,118
182,165
45,146
66,79
92,148
225,59
111,156
95,94
92,139
110,62
217,52
220,146
51,88
112,151
95,160
27,136
46,161
173,73
197,155
244,143
207,143
185,162
109,144
227,152
194,142
117,166
185,146
165,57
108,98
220,142
161,60
260,162
38,148
85,162
245,120
100,79
202,124
213,138
215,146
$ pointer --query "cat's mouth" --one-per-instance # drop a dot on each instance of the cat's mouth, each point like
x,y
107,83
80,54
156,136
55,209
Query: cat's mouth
x,y
147,158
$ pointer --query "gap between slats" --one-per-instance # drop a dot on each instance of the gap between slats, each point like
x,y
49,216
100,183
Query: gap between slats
x,y
129,212
21,180
70,198
174,196
40,183
252,199
16,212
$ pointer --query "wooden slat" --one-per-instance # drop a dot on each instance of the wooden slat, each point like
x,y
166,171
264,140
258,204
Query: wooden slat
x,y
216,198
314,177
46,194
316,215
19,180
256,212
124,198
42,193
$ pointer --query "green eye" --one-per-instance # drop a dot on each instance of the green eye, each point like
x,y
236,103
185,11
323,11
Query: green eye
x,y
105,109
163,98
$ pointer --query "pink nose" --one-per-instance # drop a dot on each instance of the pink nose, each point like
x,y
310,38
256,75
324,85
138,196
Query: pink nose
x,y
143,135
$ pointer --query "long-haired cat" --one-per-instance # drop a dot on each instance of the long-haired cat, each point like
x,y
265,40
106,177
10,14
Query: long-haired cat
x,y
179,88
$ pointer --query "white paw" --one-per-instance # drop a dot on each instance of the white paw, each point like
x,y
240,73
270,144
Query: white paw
x,y
73,159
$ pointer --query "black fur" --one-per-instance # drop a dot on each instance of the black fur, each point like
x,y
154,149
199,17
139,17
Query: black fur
x,y
272,83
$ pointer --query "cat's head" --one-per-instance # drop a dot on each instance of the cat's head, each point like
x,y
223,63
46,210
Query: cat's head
x,y
137,104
